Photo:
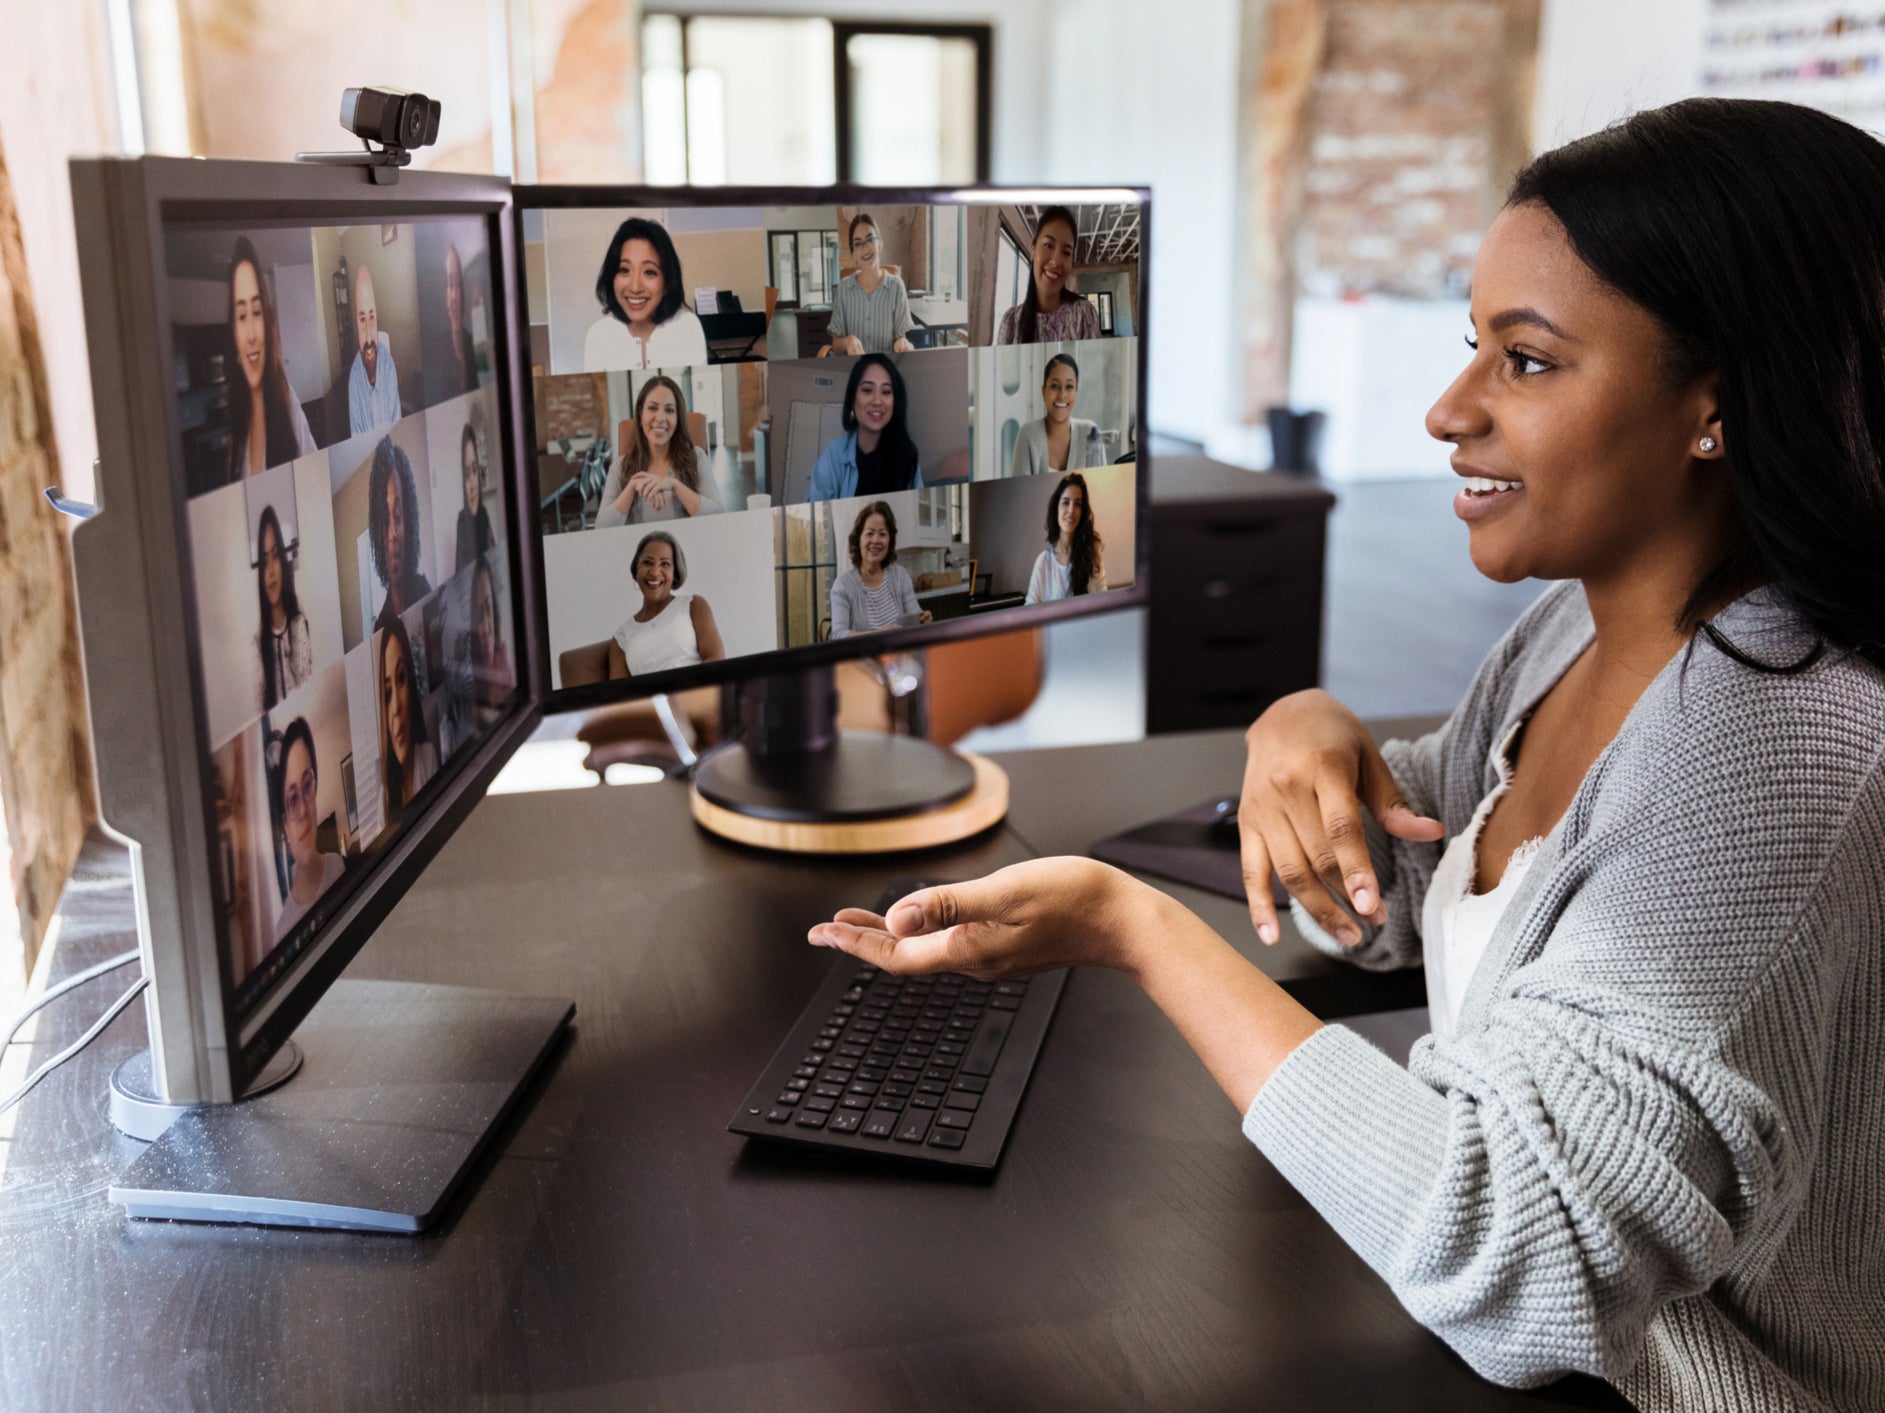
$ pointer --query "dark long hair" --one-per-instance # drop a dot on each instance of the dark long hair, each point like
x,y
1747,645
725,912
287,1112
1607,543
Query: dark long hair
x,y
277,399
1029,321
1085,554
1754,232
681,454
894,443
673,295
390,461
390,769
272,690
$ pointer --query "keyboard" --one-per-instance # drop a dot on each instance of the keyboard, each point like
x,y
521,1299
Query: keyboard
x,y
926,1069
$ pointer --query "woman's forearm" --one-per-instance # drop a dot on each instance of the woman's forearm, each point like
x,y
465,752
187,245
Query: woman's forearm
x,y
1240,1023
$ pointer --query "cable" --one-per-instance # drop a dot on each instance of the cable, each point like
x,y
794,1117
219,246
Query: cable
x,y
55,992
76,1046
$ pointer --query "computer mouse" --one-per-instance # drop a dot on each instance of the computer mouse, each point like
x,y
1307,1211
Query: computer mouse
x,y
1223,821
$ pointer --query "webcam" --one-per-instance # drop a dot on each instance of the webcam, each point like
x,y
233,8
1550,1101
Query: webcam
x,y
390,116
399,121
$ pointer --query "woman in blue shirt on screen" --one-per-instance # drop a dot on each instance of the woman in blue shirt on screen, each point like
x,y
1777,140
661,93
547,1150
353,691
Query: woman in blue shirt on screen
x,y
875,456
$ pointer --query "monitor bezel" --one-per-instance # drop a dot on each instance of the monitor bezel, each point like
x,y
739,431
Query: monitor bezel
x,y
153,765
949,630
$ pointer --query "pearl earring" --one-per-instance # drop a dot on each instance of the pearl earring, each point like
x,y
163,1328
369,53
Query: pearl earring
x,y
1709,443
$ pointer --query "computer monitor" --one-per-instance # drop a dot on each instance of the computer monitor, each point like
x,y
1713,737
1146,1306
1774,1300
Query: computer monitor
x,y
346,551
883,464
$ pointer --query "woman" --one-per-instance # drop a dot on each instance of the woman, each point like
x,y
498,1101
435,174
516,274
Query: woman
x,y
408,758
266,424
645,320
658,477
284,648
1642,1140
1050,312
393,530
474,521
1074,561
875,592
875,456
870,310
1060,441
312,872
491,677
670,629
461,372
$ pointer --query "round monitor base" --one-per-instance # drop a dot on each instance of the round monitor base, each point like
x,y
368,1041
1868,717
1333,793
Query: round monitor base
x,y
925,825
137,1111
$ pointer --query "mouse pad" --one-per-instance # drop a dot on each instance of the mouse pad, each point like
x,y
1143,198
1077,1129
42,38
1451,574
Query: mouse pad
x,y
1183,848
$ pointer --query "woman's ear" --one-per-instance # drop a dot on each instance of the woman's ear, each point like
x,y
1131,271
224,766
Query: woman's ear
x,y
1707,443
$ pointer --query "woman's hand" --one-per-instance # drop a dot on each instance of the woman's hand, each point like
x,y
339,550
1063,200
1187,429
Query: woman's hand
x,y
649,487
1019,920
903,346
1310,771
851,344
925,616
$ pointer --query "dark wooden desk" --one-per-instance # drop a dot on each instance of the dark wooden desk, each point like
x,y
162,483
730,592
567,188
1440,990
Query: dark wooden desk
x,y
622,1250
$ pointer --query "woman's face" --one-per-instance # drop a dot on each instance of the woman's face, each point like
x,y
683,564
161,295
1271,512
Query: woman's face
x,y
638,282
271,566
251,331
658,416
866,246
654,572
1053,259
1059,392
1069,508
396,698
468,468
876,399
484,616
454,289
1580,441
395,533
873,542
297,803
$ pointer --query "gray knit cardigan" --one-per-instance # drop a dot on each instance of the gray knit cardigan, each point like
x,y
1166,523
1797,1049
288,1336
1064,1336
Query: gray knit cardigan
x,y
1655,1149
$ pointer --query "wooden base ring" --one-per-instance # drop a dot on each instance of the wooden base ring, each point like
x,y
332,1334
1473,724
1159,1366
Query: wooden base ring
x,y
982,808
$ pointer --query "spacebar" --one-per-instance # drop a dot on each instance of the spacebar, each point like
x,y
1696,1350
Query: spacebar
x,y
987,1043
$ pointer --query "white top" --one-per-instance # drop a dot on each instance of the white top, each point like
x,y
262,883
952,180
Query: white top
x,y
332,865
1053,580
679,343
666,640
1455,922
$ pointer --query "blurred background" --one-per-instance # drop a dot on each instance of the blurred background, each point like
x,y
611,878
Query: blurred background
x,y
1321,173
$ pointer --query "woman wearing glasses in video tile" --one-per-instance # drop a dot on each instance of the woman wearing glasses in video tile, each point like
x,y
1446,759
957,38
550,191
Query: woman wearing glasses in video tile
x,y
266,424
875,456
870,309
284,648
670,629
658,475
645,320
312,872
1643,862
1050,312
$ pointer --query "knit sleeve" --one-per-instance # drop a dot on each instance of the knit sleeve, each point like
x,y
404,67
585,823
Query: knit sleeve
x,y
906,591
1629,1111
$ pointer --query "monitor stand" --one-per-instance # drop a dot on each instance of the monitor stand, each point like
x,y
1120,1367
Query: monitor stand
x,y
791,780
399,1087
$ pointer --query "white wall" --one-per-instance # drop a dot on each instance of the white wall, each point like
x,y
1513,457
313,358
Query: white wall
x,y
1600,60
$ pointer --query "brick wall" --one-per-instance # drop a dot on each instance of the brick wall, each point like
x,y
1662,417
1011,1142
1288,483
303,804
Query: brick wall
x,y
45,745
571,404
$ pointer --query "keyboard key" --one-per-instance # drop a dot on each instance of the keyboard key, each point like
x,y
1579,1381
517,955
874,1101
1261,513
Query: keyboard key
x,y
828,1091
812,1119
805,1072
946,1138
857,1101
859,1087
842,1122
896,1091
870,1073
879,1125
1011,988
988,1042
950,1047
798,1084
935,1086
914,1128
925,1101
1005,1003
852,1052
954,1118
777,1116
789,1098
821,1044
904,1076
821,1106
971,1084
895,1106
939,1073
970,1102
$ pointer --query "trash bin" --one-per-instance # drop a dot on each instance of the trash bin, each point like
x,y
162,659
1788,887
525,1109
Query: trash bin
x,y
1295,440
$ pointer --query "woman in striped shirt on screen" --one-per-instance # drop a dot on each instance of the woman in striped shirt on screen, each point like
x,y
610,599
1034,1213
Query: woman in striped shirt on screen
x,y
875,592
870,309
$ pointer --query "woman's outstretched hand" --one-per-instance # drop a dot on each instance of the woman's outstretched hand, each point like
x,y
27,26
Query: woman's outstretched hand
x,y
1310,773
1022,919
